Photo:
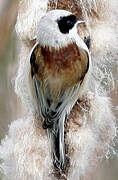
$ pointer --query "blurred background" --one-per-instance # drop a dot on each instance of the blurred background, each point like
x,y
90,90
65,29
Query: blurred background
x,y
9,103
8,64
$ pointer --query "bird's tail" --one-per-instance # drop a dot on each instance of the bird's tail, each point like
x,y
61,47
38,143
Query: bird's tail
x,y
56,135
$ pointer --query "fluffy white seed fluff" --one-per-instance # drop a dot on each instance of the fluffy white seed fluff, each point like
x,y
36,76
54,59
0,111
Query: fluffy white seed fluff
x,y
25,151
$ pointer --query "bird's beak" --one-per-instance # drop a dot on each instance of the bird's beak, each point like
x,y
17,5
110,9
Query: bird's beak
x,y
80,21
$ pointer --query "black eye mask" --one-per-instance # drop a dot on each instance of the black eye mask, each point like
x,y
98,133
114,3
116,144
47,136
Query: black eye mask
x,y
66,23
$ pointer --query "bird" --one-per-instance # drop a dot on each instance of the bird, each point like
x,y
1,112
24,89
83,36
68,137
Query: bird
x,y
60,69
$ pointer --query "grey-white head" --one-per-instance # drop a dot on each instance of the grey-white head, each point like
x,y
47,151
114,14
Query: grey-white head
x,y
57,28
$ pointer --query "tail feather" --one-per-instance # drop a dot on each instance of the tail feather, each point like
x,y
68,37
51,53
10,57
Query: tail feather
x,y
56,135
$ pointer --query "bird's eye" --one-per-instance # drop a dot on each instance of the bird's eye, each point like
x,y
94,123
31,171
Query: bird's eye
x,y
69,22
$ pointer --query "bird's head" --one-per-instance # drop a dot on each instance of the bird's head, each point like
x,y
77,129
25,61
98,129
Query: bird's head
x,y
57,28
